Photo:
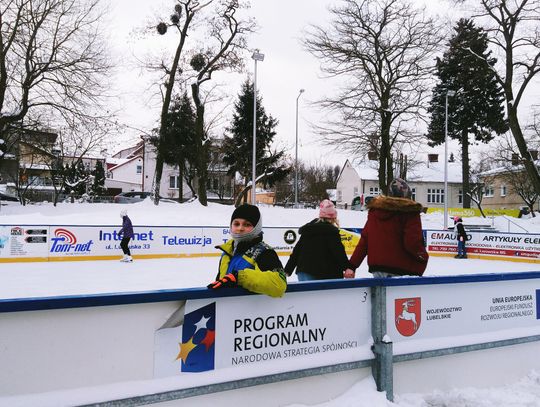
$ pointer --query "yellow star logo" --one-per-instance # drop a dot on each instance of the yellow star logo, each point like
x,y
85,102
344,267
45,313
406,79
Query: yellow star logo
x,y
185,349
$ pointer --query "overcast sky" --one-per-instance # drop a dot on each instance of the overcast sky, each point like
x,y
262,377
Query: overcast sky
x,y
286,69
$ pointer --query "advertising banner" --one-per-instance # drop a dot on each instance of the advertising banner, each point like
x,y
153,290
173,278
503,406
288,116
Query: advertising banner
x,y
95,241
510,245
420,312
270,335
79,242
472,212
20,242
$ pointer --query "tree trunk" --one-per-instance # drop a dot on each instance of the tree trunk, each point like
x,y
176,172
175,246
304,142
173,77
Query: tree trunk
x,y
386,171
530,167
181,180
200,146
465,169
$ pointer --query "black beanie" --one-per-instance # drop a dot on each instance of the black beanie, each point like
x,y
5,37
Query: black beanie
x,y
248,212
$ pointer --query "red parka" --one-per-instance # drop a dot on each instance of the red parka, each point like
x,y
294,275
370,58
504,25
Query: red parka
x,y
392,238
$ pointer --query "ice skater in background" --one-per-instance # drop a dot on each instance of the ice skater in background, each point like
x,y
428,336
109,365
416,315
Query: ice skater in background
x,y
461,238
127,233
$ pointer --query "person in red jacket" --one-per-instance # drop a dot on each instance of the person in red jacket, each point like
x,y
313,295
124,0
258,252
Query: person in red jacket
x,y
392,237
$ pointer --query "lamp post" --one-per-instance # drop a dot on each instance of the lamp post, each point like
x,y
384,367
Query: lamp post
x,y
296,154
448,93
257,56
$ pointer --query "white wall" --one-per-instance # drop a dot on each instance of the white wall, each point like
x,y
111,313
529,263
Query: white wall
x,y
345,185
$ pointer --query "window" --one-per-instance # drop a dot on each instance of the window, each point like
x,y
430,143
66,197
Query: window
x,y
435,195
374,191
173,182
503,190
139,169
355,191
413,194
460,196
339,195
216,184
488,191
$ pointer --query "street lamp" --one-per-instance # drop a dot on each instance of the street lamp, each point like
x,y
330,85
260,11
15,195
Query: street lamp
x,y
257,56
448,93
296,154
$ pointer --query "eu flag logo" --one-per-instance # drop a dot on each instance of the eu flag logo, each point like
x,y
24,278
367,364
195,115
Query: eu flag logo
x,y
197,349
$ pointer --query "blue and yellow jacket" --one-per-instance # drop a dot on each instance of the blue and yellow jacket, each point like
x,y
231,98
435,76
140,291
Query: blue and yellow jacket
x,y
257,264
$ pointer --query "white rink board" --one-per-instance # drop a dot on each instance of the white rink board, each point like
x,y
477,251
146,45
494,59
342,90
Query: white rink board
x,y
270,335
465,310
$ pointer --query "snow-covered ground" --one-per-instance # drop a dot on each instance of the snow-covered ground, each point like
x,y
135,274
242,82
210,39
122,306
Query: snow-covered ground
x,y
19,280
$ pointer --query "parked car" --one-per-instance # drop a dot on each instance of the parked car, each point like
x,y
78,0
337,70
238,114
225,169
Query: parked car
x,y
138,196
6,199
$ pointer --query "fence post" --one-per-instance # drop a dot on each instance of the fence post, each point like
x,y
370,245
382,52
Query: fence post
x,y
382,368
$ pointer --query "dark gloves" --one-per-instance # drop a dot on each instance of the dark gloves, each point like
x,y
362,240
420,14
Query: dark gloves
x,y
229,280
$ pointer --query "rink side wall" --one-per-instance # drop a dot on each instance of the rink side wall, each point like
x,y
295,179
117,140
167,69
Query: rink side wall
x,y
29,243
196,343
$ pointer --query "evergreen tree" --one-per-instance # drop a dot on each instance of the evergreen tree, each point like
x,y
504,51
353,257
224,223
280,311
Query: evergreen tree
x,y
98,186
177,138
477,107
76,178
238,148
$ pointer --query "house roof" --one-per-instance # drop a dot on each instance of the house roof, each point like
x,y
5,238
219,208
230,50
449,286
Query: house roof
x,y
502,170
123,161
423,172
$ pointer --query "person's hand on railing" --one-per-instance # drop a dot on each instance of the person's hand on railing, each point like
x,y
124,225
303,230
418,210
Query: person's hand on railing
x,y
229,280
348,273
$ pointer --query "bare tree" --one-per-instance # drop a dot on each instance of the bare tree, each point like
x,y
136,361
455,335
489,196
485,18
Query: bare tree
x,y
227,41
383,51
513,28
74,143
511,169
53,63
184,13
476,184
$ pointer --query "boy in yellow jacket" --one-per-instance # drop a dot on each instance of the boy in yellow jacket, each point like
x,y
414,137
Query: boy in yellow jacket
x,y
247,261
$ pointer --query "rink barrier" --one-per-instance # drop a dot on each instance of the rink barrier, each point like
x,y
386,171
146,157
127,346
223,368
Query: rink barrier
x,y
35,243
475,291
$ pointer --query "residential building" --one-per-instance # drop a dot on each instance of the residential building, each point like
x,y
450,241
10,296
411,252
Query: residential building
x,y
426,180
28,159
133,169
500,186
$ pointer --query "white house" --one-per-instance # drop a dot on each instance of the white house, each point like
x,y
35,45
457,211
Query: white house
x,y
425,179
133,169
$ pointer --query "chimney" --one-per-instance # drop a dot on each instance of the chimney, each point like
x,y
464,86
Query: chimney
x,y
433,158
515,159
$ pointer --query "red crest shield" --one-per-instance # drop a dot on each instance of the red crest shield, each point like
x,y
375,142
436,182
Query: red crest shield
x,y
408,315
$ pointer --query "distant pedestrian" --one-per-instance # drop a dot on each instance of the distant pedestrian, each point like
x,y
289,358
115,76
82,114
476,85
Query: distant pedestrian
x,y
392,237
127,234
461,238
319,253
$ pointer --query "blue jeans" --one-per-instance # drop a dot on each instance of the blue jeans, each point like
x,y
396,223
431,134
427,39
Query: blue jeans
x,y
304,276
461,248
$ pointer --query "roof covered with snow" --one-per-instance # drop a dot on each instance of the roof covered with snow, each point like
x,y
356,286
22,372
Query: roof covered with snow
x,y
422,172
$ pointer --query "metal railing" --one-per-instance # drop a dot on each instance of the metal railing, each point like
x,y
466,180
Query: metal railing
x,y
514,223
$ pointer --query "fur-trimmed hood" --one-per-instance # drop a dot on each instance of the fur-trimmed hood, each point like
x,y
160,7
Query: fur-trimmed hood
x,y
392,204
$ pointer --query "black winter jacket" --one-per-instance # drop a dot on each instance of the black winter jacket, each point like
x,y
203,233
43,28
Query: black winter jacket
x,y
460,231
319,252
